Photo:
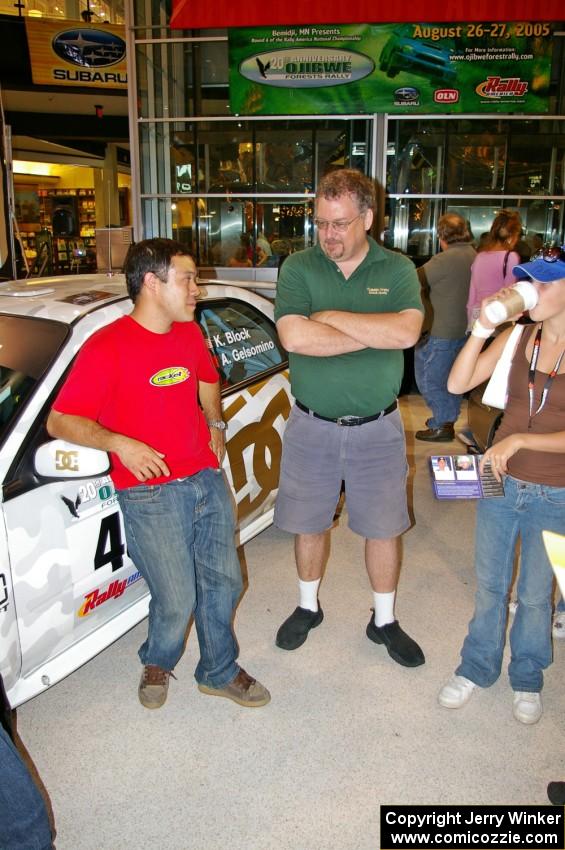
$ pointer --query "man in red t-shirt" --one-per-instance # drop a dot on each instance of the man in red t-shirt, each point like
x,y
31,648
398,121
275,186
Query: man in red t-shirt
x,y
145,389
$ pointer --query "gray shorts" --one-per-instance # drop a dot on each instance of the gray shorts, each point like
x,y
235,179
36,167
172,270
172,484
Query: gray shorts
x,y
318,455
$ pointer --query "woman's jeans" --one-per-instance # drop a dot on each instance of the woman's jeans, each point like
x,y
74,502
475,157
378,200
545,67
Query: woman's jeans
x,y
24,824
433,359
523,512
180,536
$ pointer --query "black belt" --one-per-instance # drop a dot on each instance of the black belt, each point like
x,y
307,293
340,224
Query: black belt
x,y
349,420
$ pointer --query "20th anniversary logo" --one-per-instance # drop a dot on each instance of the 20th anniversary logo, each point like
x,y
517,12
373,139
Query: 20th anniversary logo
x,y
305,67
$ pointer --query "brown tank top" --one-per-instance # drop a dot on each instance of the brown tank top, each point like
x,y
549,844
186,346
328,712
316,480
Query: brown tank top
x,y
538,467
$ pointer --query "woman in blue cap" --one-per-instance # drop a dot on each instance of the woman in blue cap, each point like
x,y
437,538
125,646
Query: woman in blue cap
x,y
528,454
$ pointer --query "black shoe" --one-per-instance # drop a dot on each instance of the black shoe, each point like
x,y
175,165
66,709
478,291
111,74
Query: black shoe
x,y
400,647
444,434
556,793
294,630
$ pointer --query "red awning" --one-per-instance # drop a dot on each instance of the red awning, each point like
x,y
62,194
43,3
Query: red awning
x,y
203,14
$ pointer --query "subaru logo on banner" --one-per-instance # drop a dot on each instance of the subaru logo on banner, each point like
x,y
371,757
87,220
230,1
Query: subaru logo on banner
x,y
89,48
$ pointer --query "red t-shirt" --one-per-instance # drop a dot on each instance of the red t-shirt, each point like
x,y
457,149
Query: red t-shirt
x,y
145,385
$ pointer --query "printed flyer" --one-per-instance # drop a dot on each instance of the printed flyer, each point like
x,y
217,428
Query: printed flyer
x,y
459,477
394,68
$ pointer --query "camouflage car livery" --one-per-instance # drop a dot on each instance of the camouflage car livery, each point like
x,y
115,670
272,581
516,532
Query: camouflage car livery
x,y
67,585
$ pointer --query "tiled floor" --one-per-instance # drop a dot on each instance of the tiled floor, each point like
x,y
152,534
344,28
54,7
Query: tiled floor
x,y
347,729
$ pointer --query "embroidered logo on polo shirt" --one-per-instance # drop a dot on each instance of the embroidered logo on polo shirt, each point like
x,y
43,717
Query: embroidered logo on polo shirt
x,y
169,376
378,290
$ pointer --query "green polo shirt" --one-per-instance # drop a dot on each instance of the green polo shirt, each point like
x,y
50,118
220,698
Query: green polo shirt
x,y
363,382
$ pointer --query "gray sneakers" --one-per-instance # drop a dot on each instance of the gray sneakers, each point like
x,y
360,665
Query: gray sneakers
x,y
244,689
153,686
456,692
527,707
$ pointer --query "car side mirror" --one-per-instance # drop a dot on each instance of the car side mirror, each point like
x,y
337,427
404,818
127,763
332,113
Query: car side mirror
x,y
59,459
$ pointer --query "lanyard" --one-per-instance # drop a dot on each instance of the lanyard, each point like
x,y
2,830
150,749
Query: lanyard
x,y
532,376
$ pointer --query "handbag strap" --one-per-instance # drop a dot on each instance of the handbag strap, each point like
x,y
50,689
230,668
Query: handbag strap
x,y
511,344
496,391
505,264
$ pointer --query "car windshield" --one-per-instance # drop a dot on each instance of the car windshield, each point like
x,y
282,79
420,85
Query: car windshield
x,y
27,347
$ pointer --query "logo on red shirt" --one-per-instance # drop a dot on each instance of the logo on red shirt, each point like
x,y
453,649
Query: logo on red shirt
x,y
169,376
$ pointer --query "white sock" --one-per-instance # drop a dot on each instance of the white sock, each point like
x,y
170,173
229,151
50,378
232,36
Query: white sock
x,y
309,594
384,608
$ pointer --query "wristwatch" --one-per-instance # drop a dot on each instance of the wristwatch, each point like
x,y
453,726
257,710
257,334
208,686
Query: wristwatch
x,y
218,423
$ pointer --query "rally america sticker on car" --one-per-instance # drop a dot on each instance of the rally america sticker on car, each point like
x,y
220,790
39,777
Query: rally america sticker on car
x,y
116,588
170,376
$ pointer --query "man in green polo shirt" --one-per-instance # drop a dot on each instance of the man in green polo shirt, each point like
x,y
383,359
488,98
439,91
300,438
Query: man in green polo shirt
x,y
345,310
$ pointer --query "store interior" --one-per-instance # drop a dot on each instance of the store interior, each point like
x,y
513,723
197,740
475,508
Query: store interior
x,y
60,210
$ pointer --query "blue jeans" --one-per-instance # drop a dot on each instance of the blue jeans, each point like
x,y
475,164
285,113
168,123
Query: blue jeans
x,y
180,536
24,824
433,359
524,511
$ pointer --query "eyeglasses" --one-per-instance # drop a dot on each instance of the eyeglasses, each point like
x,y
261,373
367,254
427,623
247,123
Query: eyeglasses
x,y
338,226
550,254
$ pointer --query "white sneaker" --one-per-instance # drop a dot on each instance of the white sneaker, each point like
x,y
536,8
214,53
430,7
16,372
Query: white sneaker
x,y
527,707
558,630
456,692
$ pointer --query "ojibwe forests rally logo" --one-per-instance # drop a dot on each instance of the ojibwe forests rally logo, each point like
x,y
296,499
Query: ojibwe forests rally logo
x,y
497,88
306,67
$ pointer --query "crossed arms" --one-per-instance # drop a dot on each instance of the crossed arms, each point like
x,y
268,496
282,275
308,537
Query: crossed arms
x,y
330,332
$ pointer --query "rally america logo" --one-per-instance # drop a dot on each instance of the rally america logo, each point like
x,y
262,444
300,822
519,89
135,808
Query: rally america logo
x,y
496,88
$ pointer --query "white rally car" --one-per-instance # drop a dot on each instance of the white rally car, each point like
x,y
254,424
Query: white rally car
x,y
67,586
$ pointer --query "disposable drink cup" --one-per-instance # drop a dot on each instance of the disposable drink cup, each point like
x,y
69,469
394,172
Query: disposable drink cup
x,y
522,296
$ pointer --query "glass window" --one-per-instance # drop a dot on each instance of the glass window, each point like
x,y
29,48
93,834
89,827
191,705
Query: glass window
x,y
182,78
164,79
475,161
90,12
246,156
285,157
253,232
243,342
475,156
233,231
411,223
415,155
28,348
542,220
243,163
225,156
536,159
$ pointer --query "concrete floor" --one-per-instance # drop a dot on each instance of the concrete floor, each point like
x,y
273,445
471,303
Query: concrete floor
x,y
347,729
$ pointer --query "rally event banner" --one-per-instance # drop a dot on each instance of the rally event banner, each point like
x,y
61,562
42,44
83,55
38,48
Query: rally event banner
x,y
393,68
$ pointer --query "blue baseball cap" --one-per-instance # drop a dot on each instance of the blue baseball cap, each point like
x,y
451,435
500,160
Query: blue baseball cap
x,y
540,270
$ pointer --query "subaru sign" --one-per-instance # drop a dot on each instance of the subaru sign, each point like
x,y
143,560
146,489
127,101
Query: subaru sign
x,y
89,48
